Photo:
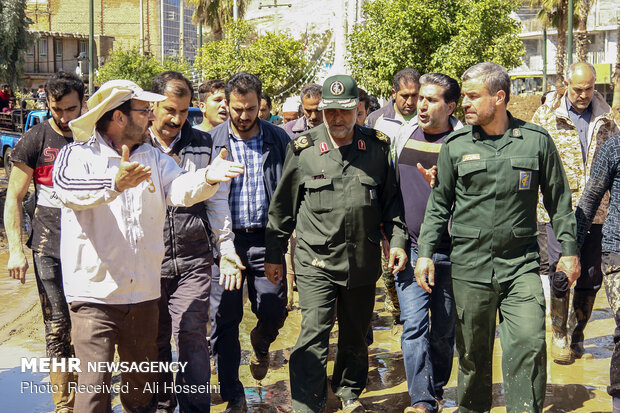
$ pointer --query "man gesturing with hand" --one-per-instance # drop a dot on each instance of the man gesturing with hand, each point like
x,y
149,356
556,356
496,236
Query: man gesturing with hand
x,y
115,189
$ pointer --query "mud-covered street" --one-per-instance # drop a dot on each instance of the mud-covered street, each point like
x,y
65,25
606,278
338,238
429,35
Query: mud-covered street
x,y
579,387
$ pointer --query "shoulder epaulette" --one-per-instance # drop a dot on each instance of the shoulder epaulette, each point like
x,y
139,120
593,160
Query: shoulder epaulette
x,y
382,137
302,142
459,132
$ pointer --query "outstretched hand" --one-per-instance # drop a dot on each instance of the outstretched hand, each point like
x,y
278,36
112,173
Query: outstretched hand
x,y
222,170
130,174
430,175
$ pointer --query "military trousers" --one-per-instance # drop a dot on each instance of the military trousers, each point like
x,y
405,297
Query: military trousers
x,y
521,306
318,294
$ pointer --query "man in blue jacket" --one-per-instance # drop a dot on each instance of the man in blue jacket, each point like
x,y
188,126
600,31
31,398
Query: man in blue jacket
x,y
261,147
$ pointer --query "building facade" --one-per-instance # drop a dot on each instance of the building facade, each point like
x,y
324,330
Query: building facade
x,y
53,52
162,28
603,21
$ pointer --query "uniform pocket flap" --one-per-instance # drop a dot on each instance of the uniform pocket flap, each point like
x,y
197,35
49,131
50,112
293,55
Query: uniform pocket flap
x,y
313,239
525,163
468,167
464,231
524,232
318,183
367,180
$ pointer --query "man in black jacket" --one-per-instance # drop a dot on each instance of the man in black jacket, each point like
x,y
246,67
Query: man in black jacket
x,y
188,236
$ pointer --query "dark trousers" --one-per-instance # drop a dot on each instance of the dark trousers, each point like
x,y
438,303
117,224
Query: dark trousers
x,y
184,314
268,303
590,257
97,329
317,299
611,269
48,274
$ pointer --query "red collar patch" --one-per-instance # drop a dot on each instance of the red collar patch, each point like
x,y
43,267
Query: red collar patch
x,y
361,145
323,147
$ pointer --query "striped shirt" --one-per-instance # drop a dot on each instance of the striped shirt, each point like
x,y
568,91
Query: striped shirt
x,y
248,198
605,177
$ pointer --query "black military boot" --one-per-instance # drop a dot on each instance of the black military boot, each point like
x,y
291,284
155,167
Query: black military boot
x,y
583,302
560,351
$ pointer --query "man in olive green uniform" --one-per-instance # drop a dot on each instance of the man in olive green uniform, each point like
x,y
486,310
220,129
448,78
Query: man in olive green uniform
x,y
337,187
487,179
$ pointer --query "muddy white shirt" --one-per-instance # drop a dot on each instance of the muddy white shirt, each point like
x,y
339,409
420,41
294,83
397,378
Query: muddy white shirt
x,y
111,243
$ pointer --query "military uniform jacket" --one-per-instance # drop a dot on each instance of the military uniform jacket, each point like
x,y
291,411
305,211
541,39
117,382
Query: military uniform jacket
x,y
337,205
491,190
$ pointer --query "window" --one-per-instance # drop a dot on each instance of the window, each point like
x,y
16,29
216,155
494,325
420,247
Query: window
x,y
43,47
84,47
58,48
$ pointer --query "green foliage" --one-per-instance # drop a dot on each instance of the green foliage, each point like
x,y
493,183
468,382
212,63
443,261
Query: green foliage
x,y
130,64
444,36
15,40
277,58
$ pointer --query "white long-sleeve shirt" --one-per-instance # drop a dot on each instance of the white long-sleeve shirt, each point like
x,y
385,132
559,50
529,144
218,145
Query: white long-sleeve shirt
x,y
111,243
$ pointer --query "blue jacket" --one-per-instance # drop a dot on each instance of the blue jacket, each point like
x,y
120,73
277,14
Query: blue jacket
x,y
275,141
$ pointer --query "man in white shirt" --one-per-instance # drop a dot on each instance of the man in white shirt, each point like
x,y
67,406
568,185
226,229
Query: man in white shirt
x,y
115,189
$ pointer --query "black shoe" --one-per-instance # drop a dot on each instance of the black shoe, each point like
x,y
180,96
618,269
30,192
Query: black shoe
x,y
259,365
352,406
237,406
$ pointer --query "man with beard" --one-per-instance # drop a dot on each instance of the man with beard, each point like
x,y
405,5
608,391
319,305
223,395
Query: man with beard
x,y
310,97
212,104
188,231
265,110
427,341
488,176
337,189
261,147
115,188
34,156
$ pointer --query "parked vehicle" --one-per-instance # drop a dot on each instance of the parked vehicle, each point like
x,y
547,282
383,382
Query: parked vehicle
x,y
194,116
12,126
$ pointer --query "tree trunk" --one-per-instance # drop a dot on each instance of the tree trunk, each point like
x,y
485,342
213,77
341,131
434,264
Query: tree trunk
x,y
582,31
560,56
616,101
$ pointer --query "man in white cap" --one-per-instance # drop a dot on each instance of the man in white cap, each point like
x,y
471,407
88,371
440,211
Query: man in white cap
x,y
290,109
115,189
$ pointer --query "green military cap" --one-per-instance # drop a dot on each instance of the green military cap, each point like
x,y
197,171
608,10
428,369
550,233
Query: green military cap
x,y
339,92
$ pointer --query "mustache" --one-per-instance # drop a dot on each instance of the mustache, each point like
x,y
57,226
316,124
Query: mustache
x,y
173,125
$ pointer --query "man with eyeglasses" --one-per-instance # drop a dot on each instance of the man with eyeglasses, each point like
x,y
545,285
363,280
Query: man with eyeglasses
x,y
115,188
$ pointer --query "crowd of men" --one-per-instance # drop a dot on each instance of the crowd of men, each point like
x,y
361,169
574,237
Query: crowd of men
x,y
146,229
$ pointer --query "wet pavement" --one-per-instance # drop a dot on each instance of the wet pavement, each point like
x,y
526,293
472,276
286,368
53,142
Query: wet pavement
x,y
579,387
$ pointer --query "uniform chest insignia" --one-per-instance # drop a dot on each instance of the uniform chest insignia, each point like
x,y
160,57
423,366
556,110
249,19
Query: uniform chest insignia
x,y
361,145
516,133
302,143
323,147
525,180
471,157
382,137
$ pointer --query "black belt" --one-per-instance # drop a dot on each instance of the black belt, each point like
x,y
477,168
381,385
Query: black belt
x,y
249,230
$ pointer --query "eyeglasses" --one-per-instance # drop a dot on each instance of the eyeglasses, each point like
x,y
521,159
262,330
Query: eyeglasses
x,y
148,111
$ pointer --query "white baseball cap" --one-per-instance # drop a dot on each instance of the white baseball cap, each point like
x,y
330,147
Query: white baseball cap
x,y
110,95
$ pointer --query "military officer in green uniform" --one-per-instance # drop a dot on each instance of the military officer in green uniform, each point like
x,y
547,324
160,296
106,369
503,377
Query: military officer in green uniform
x,y
337,188
488,178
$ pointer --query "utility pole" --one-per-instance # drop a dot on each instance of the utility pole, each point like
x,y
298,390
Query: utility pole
x,y
142,27
544,56
91,47
235,11
571,9
182,29
275,5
